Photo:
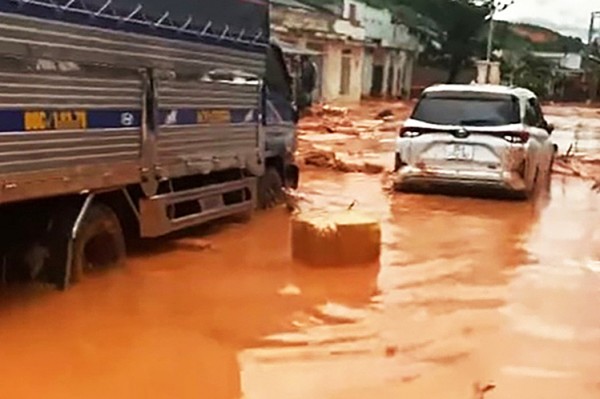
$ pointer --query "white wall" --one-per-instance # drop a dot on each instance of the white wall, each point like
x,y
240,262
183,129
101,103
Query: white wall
x,y
564,60
346,28
332,66
378,24
399,63
572,61
367,76
409,66
488,72
332,72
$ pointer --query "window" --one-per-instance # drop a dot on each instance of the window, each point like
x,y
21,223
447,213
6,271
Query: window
x,y
530,118
346,72
467,110
533,114
352,14
277,77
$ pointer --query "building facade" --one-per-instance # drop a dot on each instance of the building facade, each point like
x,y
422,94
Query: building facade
x,y
390,50
337,44
359,50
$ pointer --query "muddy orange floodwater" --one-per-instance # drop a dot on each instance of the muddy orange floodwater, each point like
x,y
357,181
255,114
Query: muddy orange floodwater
x,y
466,291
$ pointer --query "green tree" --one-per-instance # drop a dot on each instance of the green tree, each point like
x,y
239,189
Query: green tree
x,y
461,22
534,73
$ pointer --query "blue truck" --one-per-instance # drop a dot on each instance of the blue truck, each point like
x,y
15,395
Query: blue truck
x,y
134,118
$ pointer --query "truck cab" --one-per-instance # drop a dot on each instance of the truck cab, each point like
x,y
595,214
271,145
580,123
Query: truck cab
x,y
280,115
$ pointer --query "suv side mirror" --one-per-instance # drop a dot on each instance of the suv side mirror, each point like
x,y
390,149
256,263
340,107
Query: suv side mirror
x,y
550,128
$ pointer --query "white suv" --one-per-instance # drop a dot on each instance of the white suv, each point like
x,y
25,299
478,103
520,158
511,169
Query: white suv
x,y
475,135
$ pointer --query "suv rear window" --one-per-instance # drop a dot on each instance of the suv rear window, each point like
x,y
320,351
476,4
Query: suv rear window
x,y
468,110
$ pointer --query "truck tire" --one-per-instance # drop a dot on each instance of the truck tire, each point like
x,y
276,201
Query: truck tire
x,y
99,244
270,189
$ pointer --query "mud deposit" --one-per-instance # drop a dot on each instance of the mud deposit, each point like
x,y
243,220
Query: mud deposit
x,y
466,291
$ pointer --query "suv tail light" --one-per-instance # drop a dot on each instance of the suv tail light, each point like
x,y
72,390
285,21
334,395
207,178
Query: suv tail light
x,y
410,132
516,137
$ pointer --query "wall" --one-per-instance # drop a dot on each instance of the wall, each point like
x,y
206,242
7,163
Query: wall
x,y
359,6
283,19
571,61
411,61
332,72
367,76
488,72
425,76
397,63
378,25
393,42
399,67
349,30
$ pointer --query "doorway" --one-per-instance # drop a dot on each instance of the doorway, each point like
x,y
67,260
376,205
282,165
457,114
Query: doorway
x,y
377,84
346,72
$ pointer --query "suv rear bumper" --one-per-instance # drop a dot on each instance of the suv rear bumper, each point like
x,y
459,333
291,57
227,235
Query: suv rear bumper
x,y
412,177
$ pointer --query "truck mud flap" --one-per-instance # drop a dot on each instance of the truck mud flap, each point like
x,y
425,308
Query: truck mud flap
x,y
167,213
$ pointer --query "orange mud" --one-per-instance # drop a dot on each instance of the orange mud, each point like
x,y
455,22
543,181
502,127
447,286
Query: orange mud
x,y
466,291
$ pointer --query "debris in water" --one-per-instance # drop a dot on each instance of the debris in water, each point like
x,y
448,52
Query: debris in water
x,y
289,290
319,158
372,169
332,110
194,244
292,199
482,390
386,113
391,351
585,167
329,160
332,239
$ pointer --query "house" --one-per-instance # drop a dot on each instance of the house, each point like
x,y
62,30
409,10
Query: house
x,y
339,43
568,62
390,50
362,50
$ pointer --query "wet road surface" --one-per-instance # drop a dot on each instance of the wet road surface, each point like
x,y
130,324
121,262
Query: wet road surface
x,y
467,290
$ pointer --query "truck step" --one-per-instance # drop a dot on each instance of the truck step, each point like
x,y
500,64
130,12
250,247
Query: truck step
x,y
167,213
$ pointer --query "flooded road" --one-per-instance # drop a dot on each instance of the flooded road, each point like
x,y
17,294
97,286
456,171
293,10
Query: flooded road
x,y
466,290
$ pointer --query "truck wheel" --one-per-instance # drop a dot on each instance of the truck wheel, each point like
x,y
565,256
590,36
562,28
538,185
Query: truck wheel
x,y
270,189
99,243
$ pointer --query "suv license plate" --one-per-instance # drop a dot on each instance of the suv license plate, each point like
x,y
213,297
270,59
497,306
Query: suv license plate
x,y
459,152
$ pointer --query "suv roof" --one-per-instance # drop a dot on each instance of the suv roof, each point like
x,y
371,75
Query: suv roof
x,y
479,88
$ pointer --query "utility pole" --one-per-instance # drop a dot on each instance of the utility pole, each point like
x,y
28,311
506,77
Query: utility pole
x,y
591,72
595,14
495,7
490,41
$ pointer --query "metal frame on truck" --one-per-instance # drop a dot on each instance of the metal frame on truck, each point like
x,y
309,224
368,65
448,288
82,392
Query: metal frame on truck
x,y
111,120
